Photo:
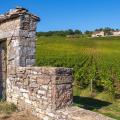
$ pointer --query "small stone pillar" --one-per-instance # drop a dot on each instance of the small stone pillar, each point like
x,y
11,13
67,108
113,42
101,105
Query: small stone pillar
x,y
18,28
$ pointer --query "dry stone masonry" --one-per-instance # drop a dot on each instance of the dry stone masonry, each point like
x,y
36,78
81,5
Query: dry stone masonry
x,y
38,89
44,91
18,27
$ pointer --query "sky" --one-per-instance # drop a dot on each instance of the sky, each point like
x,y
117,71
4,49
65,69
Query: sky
x,y
70,14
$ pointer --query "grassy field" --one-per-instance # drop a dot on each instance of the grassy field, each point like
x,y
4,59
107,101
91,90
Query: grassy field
x,y
96,65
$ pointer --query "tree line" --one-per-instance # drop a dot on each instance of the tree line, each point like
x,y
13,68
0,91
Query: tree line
x,y
60,33
107,31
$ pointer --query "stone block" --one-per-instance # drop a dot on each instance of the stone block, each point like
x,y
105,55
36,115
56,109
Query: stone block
x,y
41,92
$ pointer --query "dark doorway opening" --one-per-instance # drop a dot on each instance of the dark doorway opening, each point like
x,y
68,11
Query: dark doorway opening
x,y
3,69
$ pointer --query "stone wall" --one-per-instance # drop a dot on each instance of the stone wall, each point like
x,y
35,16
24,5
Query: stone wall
x,y
9,32
27,42
20,34
41,90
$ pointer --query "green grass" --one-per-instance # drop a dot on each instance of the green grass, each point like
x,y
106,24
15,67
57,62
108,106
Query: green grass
x,y
112,110
92,59
102,103
96,59
7,108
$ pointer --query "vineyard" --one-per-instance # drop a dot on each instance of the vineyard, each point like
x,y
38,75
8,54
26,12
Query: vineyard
x,y
96,66
95,61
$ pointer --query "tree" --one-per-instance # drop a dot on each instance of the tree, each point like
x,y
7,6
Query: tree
x,y
78,32
70,32
100,29
88,33
108,31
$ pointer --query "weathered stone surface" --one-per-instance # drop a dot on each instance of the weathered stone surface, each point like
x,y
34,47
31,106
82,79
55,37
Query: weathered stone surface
x,y
18,28
76,113
40,95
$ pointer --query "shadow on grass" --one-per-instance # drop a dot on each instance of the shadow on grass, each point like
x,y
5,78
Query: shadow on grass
x,y
89,103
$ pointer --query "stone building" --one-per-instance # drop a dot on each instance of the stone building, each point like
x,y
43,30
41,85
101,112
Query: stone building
x,y
40,90
98,34
116,33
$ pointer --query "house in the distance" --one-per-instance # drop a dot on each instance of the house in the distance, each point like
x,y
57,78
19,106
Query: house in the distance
x,y
98,34
116,33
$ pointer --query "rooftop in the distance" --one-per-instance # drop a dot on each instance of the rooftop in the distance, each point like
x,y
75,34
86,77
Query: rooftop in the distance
x,y
14,13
